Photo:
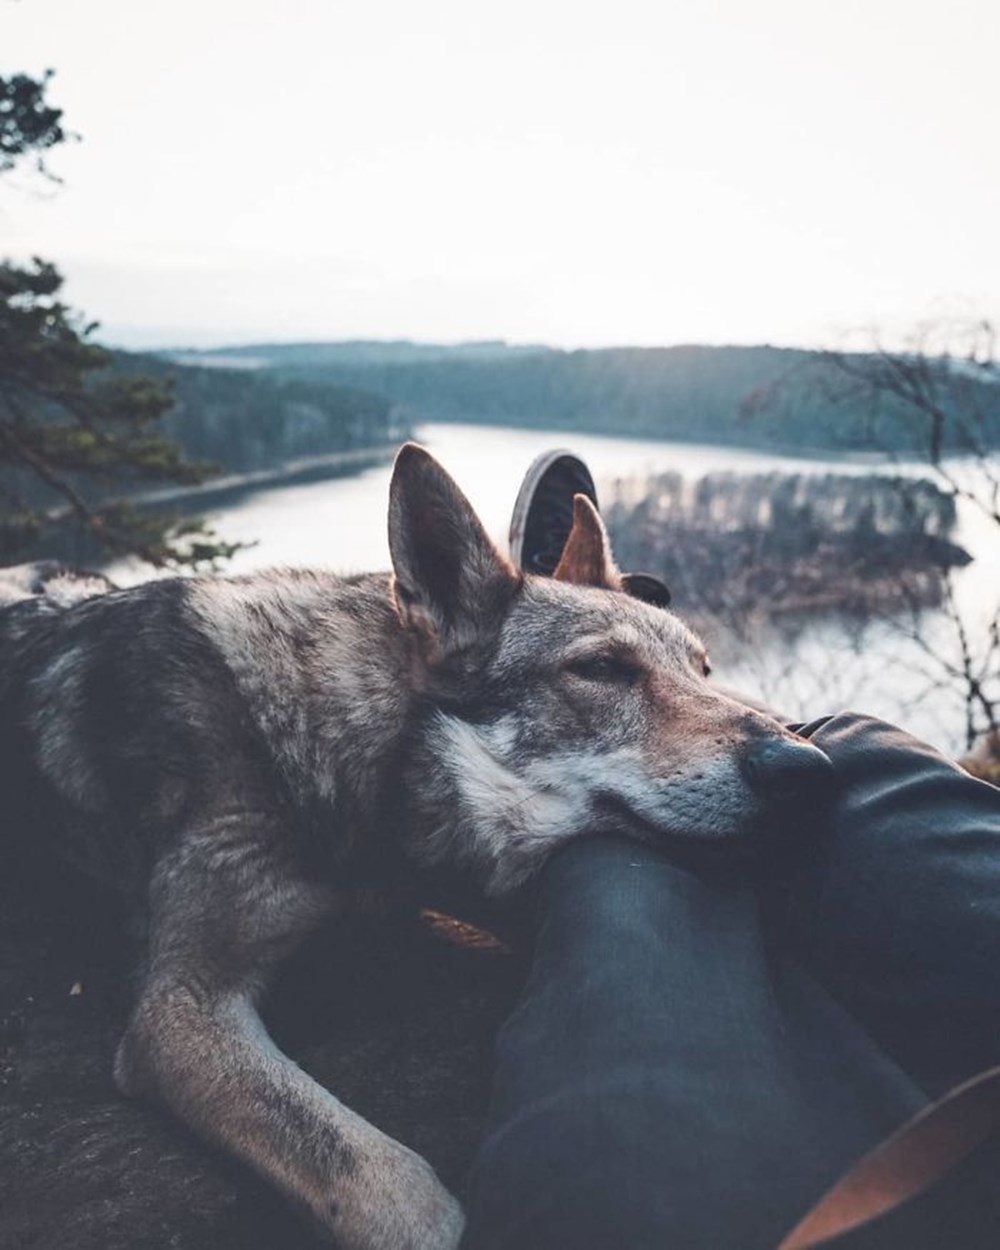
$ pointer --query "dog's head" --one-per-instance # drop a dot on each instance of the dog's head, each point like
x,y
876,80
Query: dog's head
x,y
555,706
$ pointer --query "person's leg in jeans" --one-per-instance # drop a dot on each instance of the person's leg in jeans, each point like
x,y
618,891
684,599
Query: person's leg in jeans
x,y
896,906
666,1080
671,1079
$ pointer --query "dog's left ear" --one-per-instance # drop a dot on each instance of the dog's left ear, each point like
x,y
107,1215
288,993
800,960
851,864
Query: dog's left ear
x,y
449,581
586,559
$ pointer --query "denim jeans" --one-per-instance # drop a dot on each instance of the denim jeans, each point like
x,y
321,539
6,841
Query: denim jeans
x,y
698,1055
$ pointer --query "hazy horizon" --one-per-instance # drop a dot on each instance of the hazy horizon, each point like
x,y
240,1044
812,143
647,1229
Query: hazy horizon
x,y
538,172
150,339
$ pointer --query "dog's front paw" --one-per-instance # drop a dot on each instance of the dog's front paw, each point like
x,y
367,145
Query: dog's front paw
x,y
392,1201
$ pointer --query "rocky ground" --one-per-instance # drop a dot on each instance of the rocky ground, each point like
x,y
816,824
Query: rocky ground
x,y
396,1020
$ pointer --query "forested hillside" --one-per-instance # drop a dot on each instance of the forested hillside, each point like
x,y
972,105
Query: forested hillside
x,y
753,396
244,420
235,422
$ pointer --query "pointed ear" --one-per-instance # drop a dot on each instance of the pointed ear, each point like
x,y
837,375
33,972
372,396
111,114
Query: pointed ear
x,y
586,559
449,581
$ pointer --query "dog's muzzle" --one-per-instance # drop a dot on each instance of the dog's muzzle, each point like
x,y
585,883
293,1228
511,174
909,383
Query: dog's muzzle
x,y
782,770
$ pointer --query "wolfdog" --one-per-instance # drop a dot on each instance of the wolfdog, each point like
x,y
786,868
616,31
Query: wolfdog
x,y
243,757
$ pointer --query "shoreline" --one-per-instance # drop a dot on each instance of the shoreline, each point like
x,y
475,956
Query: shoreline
x,y
289,473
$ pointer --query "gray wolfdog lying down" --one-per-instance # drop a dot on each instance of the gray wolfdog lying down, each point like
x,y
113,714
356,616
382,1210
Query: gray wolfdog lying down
x,y
244,757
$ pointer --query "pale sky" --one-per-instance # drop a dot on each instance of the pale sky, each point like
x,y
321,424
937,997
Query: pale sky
x,y
537,170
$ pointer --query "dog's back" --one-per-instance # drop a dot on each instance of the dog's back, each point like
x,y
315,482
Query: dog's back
x,y
126,715
101,741
31,596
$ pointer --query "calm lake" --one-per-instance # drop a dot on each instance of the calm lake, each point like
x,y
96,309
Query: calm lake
x,y
340,524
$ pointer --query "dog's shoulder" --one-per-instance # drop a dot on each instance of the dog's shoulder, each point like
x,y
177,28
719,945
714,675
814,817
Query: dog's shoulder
x,y
316,659
278,630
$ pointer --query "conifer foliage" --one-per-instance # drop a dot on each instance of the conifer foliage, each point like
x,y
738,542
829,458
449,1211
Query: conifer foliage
x,y
78,441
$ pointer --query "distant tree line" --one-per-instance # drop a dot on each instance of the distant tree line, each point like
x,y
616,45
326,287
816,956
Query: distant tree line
x,y
246,419
750,396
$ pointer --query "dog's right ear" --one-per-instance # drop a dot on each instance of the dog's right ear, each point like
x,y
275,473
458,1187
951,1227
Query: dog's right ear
x,y
449,580
586,558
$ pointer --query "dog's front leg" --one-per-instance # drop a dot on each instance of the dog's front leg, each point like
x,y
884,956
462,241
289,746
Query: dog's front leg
x,y
197,1043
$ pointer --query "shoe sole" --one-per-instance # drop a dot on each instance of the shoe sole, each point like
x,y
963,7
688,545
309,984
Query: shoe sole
x,y
522,504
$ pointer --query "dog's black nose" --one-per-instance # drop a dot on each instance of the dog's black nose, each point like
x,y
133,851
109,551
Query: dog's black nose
x,y
783,769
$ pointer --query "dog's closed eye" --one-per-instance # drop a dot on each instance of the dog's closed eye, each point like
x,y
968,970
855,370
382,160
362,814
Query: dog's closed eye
x,y
605,668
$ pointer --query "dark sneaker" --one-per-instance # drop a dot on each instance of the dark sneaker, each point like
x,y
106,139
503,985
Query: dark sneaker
x,y
543,517
543,512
